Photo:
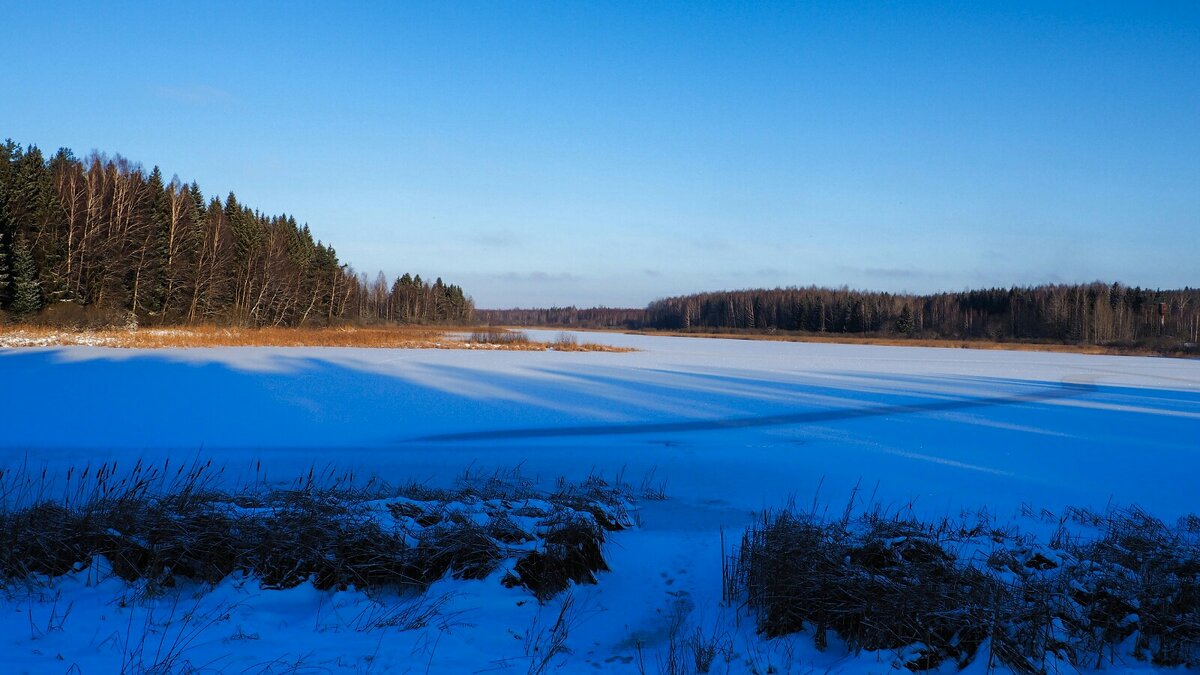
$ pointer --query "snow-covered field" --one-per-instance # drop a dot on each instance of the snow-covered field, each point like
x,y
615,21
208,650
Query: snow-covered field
x,y
732,427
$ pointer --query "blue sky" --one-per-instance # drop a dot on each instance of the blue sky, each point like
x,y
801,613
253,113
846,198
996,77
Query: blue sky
x,y
612,153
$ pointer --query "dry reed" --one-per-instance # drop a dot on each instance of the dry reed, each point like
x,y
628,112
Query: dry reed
x,y
943,592
158,524
390,337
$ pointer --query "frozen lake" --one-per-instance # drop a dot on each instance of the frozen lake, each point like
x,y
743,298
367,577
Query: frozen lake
x,y
745,423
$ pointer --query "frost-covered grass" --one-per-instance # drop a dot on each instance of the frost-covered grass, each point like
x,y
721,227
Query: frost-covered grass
x,y
171,548
1104,589
159,526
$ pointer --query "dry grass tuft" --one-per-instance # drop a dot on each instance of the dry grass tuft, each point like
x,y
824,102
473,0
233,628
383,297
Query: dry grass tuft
x,y
499,336
934,593
503,338
158,525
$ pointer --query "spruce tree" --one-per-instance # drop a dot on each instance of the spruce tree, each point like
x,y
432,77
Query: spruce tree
x,y
157,274
26,292
3,275
905,323
9,153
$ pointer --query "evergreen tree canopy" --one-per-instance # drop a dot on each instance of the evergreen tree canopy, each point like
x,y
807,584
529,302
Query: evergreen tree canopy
x,y
26,292
101,232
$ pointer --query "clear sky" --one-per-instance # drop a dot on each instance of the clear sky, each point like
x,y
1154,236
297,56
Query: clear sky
x,y
612,153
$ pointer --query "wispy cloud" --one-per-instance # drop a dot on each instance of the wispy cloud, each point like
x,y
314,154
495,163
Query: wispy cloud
x,y
497,239
193,94
535,277
712,244
889,272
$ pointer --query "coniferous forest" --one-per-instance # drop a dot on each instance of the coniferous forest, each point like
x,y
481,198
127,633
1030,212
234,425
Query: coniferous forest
x,y
97,241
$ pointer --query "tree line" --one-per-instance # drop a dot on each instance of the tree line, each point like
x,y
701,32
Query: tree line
x,y
572,317
1096,313
99,239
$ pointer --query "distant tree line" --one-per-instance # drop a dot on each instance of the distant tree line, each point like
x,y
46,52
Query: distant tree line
x,y
101,238
1096,313
596,317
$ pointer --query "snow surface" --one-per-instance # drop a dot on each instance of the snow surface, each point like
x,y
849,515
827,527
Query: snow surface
x,y
732,426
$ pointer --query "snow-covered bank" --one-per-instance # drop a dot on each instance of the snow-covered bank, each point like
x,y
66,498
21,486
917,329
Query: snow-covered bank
x,y
732,426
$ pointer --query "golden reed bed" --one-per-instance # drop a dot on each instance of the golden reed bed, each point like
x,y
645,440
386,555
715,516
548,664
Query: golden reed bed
x,y
391,337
